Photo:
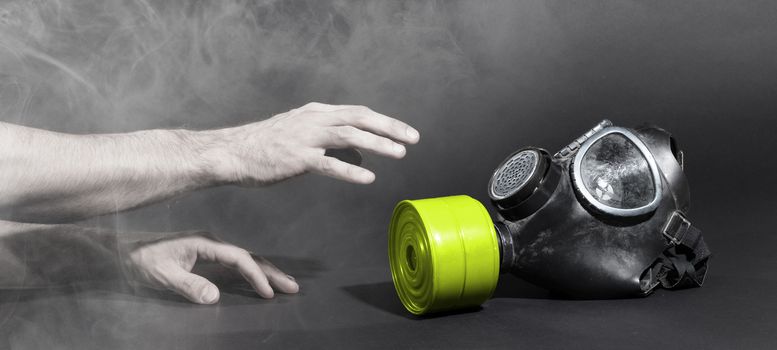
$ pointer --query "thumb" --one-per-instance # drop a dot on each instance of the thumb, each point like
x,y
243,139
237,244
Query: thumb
x,y
193,287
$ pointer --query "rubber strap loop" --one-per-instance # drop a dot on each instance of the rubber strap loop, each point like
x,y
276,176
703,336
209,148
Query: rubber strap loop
x,y
683,264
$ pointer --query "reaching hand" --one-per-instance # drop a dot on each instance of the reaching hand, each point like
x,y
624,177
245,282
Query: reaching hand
x,y
167,263
295,142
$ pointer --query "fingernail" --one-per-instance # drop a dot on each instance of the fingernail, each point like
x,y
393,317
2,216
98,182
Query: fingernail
x,y
412,133
291,277
368,176
399,149
210,295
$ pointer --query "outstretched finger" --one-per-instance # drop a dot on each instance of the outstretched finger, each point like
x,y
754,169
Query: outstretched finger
x,y
340,170
369,120
351,137
193,287
278,279
239,259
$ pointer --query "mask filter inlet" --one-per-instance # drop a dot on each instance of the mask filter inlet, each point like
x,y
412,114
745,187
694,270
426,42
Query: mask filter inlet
x,y
444,253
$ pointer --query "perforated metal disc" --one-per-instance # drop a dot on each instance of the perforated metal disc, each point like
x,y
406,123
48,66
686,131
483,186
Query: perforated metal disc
x,y
514,174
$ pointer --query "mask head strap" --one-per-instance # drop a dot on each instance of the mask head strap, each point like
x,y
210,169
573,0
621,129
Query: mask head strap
x,y
684,263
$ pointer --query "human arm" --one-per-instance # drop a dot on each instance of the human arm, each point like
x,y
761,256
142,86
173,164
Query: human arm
x,y
44,256
54,177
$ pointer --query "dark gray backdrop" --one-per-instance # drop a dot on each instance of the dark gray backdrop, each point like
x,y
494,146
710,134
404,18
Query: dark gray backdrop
x,y
478,79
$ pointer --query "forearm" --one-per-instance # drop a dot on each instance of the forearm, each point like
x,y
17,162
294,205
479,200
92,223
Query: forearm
x,y
47,176
53,177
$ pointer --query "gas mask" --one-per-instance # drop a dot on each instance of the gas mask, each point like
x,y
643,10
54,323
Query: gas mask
x,y
605,217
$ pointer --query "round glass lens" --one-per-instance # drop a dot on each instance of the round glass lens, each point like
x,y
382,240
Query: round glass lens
x,y
617,174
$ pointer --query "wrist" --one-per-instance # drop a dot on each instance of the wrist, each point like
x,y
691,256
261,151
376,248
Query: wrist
x,y
211,156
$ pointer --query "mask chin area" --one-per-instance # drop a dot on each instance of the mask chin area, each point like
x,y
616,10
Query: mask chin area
x,y
523,183
616,177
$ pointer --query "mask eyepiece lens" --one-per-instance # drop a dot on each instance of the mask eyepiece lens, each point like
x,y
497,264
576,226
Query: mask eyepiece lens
x,y
617,174
614,173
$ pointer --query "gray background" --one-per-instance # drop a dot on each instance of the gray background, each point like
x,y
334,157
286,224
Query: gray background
x,y
478,79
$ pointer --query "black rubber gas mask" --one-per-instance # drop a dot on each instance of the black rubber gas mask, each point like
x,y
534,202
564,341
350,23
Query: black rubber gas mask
x,y
605,217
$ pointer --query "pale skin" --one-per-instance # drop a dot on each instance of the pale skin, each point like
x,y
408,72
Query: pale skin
x,y
49,178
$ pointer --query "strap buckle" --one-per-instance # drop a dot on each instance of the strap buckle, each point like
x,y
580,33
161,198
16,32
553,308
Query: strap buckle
x,y
676,227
